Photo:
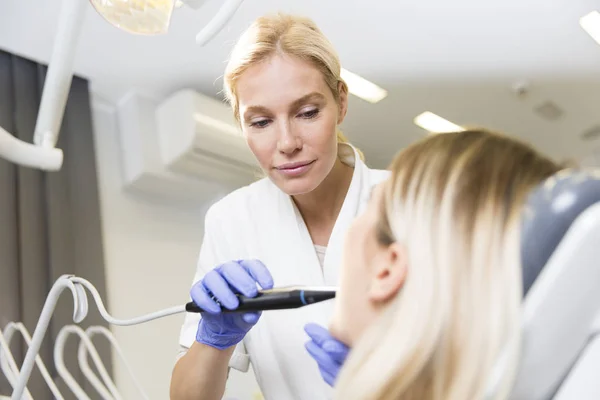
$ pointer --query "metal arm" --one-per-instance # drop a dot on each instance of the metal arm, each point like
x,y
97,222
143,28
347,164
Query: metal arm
x,y
60,73
83,359
218,22
27,154
59,352
42,154
77,287
11,368
18,327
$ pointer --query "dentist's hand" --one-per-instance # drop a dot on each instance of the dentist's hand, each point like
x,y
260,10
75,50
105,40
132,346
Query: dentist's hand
x,y
328,352
223,330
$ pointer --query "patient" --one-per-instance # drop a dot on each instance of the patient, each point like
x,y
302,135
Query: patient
x,y
431,287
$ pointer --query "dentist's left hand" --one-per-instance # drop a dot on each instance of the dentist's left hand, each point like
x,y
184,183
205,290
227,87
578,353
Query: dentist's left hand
x,y
328,352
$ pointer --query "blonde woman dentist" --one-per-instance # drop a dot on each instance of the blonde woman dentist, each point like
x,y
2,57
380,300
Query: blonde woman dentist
x,y
283,82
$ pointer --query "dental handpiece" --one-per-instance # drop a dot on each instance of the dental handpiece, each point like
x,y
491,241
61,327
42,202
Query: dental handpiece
x,y
276,299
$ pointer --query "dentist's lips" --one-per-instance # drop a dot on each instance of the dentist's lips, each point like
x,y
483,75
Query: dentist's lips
x,y
295,169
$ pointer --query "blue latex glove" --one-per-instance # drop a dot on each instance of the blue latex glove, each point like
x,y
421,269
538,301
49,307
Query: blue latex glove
x,y
223,330
328,352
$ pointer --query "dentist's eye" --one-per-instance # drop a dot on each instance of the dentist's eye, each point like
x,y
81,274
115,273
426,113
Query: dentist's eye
x,y
310,114
262,123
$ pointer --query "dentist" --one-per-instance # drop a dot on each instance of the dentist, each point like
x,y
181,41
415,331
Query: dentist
x,y
283,83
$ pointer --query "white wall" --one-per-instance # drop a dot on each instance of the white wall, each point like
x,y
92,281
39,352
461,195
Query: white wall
x,y
592,160
150,251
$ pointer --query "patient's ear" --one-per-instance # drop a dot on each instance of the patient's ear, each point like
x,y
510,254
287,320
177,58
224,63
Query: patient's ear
x,y
388,273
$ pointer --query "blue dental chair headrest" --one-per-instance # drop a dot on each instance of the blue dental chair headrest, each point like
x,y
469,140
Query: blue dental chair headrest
x,y
549,213
560,250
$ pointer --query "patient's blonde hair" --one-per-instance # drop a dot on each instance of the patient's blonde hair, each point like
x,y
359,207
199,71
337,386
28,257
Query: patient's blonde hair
x,y
290,35
454,201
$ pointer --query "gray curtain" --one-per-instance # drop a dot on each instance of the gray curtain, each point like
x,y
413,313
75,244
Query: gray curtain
x,y
49,221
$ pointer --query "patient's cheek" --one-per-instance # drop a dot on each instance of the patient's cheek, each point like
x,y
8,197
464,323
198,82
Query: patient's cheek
x,y
339,329
335,329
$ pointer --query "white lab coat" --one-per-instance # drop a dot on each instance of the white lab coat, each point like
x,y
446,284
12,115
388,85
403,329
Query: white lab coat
x,y
261,222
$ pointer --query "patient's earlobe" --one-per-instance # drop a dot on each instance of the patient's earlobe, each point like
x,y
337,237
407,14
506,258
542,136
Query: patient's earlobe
x,y
389,276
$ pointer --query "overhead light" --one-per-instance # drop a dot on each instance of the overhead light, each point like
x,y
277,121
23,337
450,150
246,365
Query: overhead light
x,y
436,124
591,24
145,17
360,87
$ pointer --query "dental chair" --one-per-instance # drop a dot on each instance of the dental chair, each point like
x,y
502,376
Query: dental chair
x,y
560,249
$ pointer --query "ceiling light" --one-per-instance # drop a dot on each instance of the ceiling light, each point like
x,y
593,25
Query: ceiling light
x,y
436,124
145,17
360,87
591,24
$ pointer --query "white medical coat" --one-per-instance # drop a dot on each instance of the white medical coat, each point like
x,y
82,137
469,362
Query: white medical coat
x,y
261,222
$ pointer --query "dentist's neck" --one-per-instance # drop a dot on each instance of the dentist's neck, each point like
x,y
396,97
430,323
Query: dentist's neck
x,y
321,207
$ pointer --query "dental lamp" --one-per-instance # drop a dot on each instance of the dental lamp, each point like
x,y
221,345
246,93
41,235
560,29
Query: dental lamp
x,y
144,17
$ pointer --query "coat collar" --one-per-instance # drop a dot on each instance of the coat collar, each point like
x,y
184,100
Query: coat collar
x,y
301,245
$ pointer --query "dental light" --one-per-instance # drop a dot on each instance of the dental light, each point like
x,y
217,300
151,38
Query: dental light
x,y
146,17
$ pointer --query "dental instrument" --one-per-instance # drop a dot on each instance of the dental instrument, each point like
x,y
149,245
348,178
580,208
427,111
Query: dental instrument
x,y
9,331
291,297
12,374
276,299
103,331
59,349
